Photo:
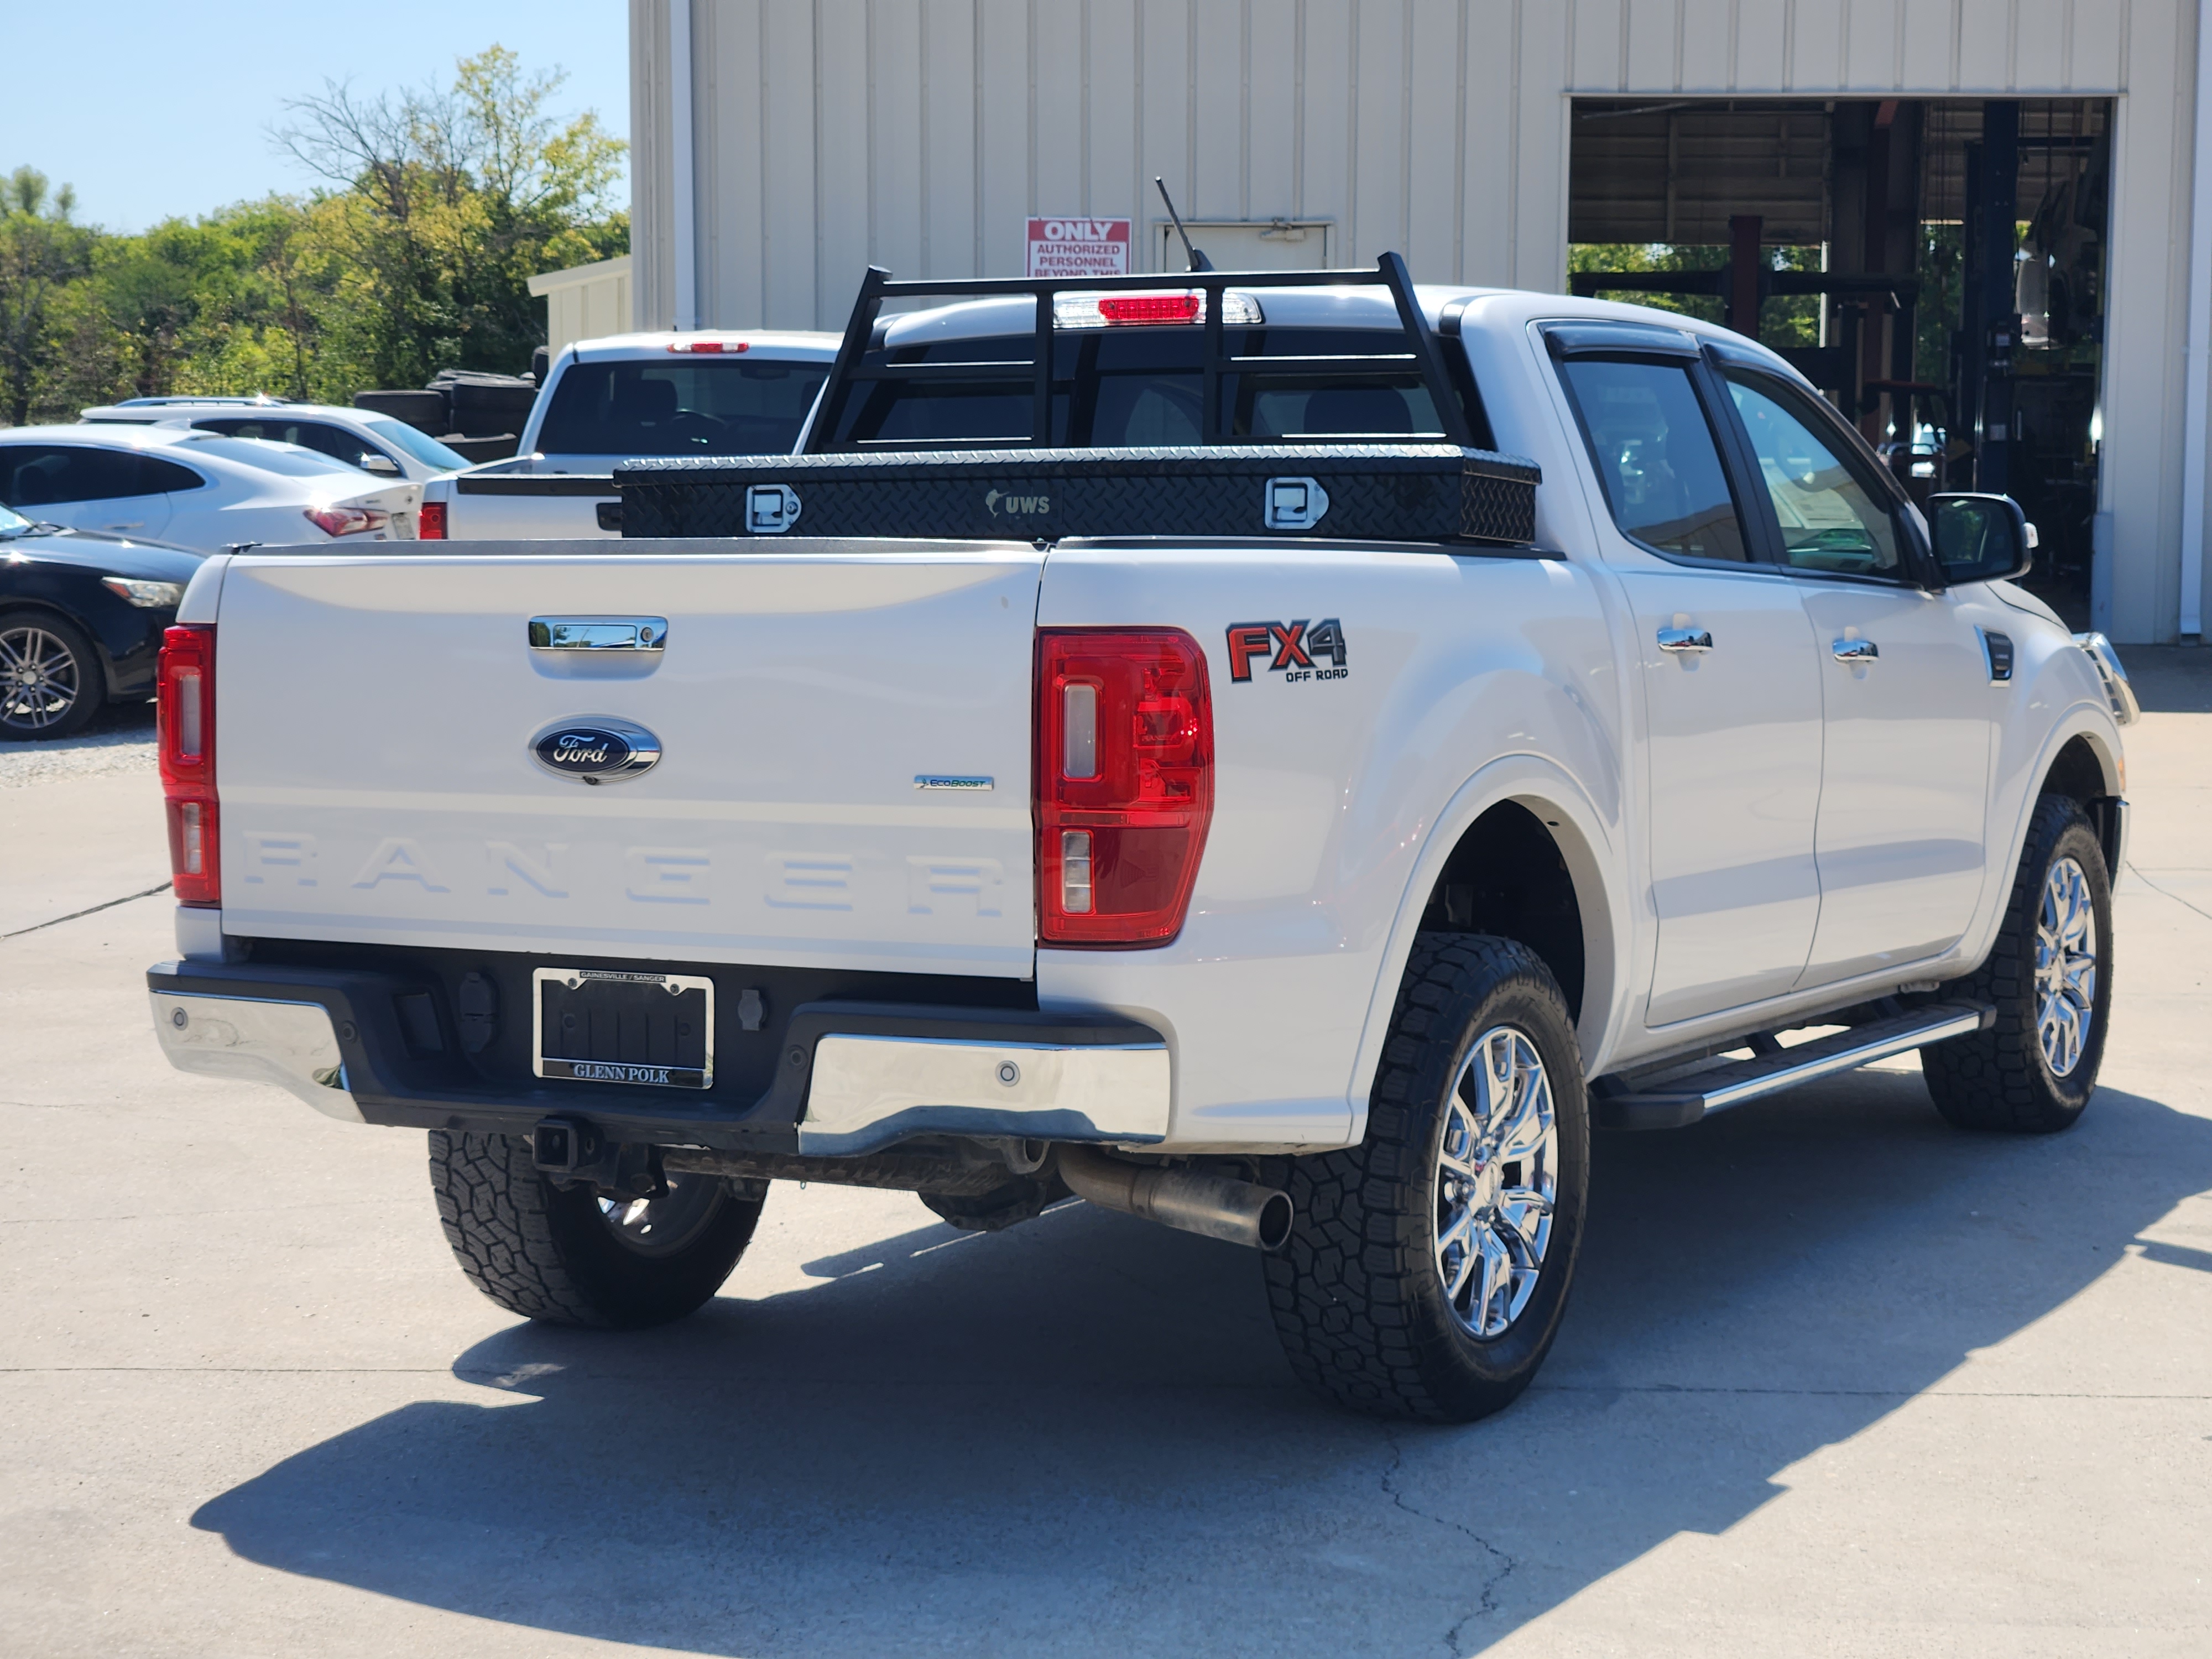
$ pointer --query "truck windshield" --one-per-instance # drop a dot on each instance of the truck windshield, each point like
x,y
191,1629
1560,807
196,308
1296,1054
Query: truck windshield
x,y
705,406
1140,387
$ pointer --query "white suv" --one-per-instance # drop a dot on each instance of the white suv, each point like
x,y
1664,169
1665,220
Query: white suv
x,y
376,444
197,490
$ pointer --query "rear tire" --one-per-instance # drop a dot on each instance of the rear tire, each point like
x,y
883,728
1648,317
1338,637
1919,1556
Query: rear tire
x,y
2033,1072
572,1258
1429,1266
51,683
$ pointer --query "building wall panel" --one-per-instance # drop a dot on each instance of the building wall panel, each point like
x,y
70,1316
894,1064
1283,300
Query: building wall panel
x,y
950,156
1270,95
1930,29
1651,61
1815,45
2039,45
1707,49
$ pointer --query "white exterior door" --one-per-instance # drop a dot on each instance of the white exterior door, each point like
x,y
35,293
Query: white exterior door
x,y
1905,777
1733,741
1731,690
1905,773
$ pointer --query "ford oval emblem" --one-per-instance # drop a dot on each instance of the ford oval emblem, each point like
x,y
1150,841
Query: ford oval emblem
x,y
596,750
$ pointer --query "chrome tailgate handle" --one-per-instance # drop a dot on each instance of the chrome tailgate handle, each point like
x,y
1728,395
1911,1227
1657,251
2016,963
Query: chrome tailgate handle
x,y
1686,641
599,633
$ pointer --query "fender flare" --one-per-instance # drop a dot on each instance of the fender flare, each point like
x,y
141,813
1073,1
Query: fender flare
x,y
1592,853
2083,719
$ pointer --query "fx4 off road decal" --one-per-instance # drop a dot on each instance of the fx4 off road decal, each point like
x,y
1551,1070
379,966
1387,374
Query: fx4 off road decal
x,y
1295,650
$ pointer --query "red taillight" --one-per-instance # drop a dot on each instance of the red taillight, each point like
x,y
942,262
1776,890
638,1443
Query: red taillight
x,y
430,522
1149,307
710,345
347,521
1124,784
184,707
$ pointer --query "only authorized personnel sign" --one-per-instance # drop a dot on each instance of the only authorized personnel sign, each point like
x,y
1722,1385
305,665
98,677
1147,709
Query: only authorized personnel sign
x,y
1078,247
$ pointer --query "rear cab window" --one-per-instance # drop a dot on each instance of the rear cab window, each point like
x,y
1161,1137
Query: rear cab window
x,y
704,405
1143,387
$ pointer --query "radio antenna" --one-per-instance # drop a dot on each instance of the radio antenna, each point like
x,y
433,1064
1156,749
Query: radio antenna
x,y
1198,261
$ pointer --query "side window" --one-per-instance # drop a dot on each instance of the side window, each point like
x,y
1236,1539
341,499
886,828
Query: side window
x,y
1832,519
42,475
1656,456
156,474
332,441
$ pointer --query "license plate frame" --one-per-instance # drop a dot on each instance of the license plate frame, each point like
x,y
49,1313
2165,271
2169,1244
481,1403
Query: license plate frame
x,y
623,1016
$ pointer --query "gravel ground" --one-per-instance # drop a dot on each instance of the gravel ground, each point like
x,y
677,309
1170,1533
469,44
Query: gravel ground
x,y
120,740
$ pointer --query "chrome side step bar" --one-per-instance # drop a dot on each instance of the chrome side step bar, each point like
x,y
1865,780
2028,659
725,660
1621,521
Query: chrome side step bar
x,y
1677,1096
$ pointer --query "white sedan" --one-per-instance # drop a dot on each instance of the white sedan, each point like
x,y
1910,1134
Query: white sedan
x,y
361,438
194,489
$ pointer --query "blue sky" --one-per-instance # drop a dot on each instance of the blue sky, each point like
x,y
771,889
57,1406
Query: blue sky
x,y
171,110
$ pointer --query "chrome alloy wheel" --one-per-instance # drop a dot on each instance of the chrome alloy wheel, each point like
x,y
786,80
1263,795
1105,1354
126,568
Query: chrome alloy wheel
x,y
663,1225
40,679
1497,1177
2065,967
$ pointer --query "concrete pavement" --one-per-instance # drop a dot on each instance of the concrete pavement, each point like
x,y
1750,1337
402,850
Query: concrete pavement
x,y
1836,1380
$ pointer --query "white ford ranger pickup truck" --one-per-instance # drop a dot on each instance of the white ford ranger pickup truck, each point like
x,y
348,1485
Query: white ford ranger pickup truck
x,y
1282,755
631,395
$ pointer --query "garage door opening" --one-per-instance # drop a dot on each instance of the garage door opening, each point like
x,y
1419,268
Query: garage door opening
x,y
1936,267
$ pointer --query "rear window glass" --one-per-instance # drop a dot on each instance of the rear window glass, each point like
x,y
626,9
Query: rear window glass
x,y
711,406
1142,387
265,455
422,446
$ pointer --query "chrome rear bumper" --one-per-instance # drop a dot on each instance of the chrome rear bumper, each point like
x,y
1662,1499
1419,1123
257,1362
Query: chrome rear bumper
x,y
868,1091
290,1045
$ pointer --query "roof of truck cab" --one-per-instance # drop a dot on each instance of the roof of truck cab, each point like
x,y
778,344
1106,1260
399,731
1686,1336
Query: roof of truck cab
x,y
805,346
1327,306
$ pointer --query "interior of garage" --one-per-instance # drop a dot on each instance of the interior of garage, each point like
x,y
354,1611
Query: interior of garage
x,y
1935,266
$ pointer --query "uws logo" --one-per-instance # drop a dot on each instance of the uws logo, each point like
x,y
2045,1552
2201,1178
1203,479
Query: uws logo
x,y
596,750
997,502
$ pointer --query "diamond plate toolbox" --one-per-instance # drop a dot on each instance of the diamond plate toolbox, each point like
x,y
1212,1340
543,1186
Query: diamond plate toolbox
x,y
1337,492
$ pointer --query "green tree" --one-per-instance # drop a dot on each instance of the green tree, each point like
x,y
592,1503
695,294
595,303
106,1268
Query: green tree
x,y
448,200
41,254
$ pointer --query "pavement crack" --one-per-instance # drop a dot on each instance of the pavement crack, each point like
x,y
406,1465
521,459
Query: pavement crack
x,y
2176,897
90,910
1487,1601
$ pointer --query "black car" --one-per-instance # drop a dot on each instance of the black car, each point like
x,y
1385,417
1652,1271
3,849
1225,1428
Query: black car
x,y
80,622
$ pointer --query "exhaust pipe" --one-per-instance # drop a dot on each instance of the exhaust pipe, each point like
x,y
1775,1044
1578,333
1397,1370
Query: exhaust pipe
x,y
1242,1212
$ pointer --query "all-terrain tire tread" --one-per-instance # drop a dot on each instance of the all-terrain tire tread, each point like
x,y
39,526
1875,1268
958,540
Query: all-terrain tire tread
x,y
1992,1080
1342,1289
491,1203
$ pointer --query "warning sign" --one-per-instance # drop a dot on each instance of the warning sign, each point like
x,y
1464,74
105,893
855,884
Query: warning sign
x,y
1078,247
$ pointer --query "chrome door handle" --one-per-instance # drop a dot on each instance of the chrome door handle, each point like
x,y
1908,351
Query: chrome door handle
x,y
599,633
1686,641
1856,651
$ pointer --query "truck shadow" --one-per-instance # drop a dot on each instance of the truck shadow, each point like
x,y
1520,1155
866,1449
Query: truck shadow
x,y
1081,1432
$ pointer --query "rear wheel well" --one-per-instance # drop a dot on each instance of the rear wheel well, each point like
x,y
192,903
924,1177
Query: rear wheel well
x,y
1507,877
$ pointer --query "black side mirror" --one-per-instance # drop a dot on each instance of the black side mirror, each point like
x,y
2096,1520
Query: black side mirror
x,y
1980,538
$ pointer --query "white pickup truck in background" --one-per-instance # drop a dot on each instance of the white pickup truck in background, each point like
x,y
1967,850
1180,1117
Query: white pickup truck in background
x,y
1152,744
620,398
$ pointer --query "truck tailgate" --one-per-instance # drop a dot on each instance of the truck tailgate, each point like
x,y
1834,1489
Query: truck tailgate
x,y
844,731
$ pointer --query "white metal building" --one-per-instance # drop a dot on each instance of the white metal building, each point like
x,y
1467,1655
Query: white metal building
x,y
779,146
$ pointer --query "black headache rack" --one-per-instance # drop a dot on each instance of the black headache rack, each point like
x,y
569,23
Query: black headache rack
x,y
1433,487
